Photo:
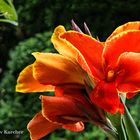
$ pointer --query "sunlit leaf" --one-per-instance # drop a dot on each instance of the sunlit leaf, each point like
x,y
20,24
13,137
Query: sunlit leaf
x,y
131,128
8,11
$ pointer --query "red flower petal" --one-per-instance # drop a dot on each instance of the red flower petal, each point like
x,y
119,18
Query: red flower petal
x,y
79,47
128,26
40,127
79,96
91,111
90,48
129,79
56,70
27,83
58,109
77,127
106,97
130,95
128,41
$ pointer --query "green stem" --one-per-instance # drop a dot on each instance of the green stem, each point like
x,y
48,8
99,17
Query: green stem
x,y
110,133
121,132
131,128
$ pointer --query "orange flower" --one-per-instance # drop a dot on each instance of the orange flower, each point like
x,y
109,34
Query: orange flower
x,y
112,65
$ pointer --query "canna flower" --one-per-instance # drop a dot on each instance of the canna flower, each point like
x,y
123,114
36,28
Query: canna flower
x,y
112,65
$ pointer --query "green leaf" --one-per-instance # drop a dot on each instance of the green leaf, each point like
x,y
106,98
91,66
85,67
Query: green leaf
x,y
121,132
116,121
8,11
9,21
131,128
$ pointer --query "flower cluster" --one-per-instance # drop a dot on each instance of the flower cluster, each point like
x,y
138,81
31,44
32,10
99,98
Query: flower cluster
x,y
87,77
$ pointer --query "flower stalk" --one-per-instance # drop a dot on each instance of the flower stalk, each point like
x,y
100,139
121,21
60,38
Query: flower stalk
x,y
130,126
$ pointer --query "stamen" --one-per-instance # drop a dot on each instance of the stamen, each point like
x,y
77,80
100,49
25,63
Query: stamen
x,y
87,31
75,26
110,75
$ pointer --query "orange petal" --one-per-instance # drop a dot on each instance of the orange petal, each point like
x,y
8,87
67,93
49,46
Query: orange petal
x,y
77,127
65,48
135,25
40,127
106,97
128,41
61,109
81,48
27,83
129,79
55,69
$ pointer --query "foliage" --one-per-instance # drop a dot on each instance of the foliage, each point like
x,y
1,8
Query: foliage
x,y
134,109
8,11
15,110
101,16
90,133
21,55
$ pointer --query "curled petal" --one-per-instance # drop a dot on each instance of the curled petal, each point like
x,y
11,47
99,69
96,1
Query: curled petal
x,y
40,127
61,109
27,83
129,78
80,48
128,41
79,96
56,70
106,97
90,110
135,25
77,127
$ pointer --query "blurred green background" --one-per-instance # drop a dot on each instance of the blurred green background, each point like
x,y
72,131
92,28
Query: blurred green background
x,y
37,20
